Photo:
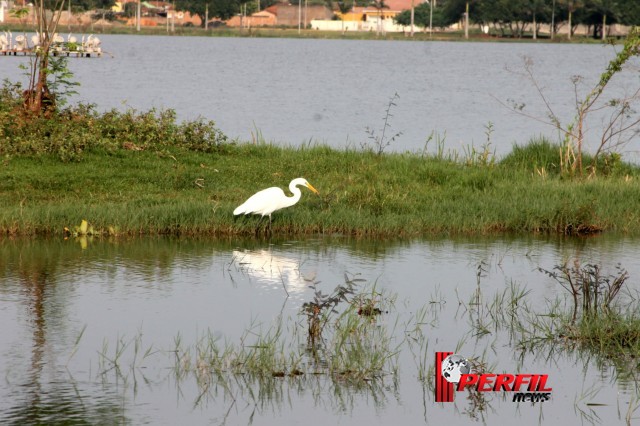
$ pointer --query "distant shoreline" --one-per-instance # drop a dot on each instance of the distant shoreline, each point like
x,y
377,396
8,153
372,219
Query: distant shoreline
x,y
419,35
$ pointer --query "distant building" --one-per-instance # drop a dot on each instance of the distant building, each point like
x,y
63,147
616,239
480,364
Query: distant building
x,y
280,14
3,7
263,18
369,18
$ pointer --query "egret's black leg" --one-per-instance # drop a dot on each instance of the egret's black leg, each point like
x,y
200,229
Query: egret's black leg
x,y
268,229
259,223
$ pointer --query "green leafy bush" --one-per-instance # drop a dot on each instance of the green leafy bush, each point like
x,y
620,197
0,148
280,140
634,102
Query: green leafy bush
x,y
79,128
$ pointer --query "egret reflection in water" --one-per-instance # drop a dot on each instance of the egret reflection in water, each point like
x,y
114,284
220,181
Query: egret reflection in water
x,y
274,270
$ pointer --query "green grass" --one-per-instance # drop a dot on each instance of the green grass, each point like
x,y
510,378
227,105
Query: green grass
x,y
145,173
178,191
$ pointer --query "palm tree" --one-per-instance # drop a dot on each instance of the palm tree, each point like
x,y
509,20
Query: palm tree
x,y
379,5
344,7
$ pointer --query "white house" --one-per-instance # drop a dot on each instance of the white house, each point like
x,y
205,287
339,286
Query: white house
x,y
3,6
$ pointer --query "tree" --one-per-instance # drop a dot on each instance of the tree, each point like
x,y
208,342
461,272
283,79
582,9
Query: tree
x,y
629,12
623,121
513,17
223,9
38,98
598,14
379,5
453,10
422,15
540,13
344,6
567,8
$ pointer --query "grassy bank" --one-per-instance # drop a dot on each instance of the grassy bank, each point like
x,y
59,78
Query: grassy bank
x,y
147,174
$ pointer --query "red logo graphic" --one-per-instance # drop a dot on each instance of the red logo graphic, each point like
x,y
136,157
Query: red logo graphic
x,y
453,373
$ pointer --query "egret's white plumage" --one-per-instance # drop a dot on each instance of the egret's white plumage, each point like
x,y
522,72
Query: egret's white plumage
x,y
273,269
271,199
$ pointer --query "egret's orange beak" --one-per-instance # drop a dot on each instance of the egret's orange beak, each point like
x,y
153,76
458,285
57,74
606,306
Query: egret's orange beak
x,y
312,188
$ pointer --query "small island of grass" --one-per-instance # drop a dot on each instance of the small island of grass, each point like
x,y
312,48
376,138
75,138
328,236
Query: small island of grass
x,y
146,173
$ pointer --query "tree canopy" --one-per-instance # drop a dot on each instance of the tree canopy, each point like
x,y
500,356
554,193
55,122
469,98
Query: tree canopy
x,y
221,9
422,17
512,16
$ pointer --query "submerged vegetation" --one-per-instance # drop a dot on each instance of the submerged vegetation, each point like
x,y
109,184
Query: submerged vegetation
x,y
597,317
599,320
346,346
359,352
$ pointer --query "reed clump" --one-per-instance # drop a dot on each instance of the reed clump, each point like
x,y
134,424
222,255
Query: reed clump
x,y
340,343
599,320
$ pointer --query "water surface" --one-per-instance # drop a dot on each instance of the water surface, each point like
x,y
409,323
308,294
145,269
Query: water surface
x,y
67,311
295,91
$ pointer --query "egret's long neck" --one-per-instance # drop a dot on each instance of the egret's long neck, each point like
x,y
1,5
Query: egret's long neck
x,y
296,195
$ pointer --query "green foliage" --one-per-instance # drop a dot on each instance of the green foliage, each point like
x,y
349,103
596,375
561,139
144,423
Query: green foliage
x,y
59,79
422,17
534,157
20,13
344,6
508,15
599,322
145,172
75,130
222,9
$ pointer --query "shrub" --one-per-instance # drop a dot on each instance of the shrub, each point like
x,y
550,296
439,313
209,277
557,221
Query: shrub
x,y
76,129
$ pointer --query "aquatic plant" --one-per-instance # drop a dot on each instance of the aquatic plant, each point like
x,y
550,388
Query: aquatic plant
x,y
360,349
320,310
591,291
359,352
380,141
345,346
597,323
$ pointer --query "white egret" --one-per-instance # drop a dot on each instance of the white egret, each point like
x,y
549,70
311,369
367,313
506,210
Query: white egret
x,y
271,199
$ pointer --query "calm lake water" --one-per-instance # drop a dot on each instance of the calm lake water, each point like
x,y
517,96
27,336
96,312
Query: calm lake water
x,y
89,330
295,91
